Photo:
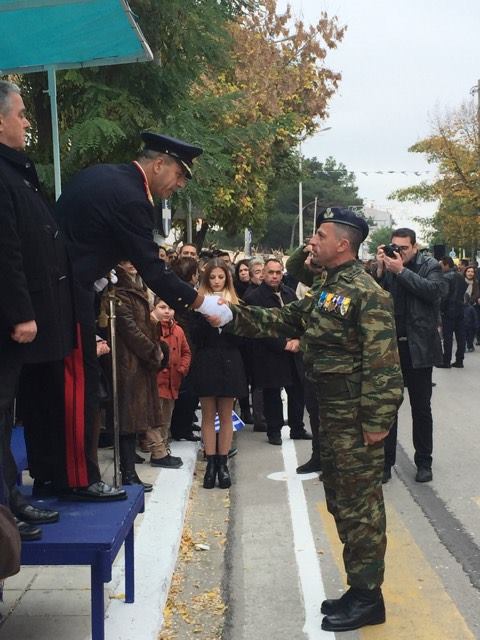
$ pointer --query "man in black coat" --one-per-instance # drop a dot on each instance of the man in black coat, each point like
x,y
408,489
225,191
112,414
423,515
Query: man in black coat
x,y
277,362
452,309
36,323
107,215
417,287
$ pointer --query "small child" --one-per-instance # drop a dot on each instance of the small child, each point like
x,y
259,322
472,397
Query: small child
x,y
169,380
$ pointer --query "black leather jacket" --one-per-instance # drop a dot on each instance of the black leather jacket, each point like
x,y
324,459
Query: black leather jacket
x,y
424,287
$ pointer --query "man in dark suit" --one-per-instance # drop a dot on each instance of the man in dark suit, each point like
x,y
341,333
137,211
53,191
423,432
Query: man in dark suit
x,y
277,362
36,326
107,215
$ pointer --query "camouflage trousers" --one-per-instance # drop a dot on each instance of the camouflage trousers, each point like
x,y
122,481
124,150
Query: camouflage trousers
x,y
352,479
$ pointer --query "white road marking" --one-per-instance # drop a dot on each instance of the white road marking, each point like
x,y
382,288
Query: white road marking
x,y
281,476
305,552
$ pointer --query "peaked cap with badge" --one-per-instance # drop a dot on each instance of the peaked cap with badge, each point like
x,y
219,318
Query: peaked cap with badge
x,y
341,215
183,152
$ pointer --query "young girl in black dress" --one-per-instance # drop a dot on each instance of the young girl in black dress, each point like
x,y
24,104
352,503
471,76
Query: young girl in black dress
x,y
218,376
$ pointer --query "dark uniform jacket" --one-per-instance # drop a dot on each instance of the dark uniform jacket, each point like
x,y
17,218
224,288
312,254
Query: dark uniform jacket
x,y
423,286
273,367
33,263
107,217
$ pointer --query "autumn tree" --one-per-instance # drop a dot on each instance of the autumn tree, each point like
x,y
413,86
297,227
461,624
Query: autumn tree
x,y
454,148
281,89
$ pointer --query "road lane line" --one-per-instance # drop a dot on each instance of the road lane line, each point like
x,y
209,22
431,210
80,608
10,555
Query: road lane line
x,y
417,604
305,551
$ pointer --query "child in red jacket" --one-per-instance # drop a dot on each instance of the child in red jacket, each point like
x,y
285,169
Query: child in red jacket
x,y
169,379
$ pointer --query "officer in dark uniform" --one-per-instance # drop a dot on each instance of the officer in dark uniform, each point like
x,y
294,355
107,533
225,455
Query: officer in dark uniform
x,y
106,214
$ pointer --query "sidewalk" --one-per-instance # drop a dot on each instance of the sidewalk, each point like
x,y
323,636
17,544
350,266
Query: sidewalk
x,y
41,603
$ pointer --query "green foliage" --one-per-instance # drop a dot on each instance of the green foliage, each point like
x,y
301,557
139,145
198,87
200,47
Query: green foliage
x,y
377,237
329,182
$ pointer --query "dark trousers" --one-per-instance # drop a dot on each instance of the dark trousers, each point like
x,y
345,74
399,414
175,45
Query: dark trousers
x,y
184,410
313,410
273,409
10,367
450,326
470,325
419,385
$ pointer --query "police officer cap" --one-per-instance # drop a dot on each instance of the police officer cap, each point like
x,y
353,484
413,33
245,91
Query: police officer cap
x,y
339,215
183,152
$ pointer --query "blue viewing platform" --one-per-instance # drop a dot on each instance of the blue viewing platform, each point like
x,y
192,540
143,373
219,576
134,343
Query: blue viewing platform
x,y
89,533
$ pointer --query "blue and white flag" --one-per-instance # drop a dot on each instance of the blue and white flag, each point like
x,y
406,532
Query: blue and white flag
x,y
237,423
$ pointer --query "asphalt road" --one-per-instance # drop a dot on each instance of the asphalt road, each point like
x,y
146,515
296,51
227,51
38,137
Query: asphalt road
x,y
283,554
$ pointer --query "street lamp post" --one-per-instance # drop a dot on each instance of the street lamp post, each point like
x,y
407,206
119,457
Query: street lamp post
x,y
300,192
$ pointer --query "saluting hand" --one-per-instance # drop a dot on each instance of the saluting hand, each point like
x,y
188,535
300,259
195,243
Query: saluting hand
x,y
24,332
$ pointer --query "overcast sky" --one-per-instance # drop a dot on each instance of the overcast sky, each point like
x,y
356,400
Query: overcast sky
x,y
401,62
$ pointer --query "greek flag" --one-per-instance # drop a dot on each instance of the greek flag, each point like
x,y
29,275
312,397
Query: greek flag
x,y
237,423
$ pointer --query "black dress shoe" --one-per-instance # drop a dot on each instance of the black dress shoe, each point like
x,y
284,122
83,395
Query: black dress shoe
x,y
190,437
43,489
27,531
301,435
96,492
139,459
275,439
167,462
361,608
387,475
132,478
32,515
445,365
424,474
312,466
458,364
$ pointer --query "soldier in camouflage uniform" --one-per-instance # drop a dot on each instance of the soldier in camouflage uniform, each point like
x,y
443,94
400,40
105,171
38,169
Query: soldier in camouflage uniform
x,y
350,353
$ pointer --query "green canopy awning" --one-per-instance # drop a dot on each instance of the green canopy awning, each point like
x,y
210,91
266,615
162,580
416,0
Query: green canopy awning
x,y
40,34
47,35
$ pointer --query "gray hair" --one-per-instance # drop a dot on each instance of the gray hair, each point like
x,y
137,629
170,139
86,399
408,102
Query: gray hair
x,y
254,262
6,88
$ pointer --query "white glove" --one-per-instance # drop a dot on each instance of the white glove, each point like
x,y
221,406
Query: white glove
x,y
210,307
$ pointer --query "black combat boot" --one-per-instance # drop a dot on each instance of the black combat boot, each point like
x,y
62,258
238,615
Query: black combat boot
x,y
333,605
224,480
360,608
210,472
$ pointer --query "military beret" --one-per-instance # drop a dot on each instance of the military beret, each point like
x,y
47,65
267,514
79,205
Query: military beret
x,y
183,152
340,215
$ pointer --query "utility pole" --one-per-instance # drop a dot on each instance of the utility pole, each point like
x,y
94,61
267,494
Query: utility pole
x,y
300,198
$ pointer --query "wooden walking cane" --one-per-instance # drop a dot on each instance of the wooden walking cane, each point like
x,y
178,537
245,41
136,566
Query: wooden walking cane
x,y
117,482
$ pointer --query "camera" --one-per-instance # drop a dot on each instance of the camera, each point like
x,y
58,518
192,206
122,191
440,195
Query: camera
x,y
390,250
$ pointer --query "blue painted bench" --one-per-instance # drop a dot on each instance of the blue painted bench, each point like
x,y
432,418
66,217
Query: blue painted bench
x,y
90,534
19,451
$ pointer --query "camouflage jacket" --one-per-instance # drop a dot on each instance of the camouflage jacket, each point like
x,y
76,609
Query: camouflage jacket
x,y
347,328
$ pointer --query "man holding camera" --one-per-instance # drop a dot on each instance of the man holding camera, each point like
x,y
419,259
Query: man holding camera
x,y
416,284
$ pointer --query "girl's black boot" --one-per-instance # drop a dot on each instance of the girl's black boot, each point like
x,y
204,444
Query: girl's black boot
x,y
210,472
224,480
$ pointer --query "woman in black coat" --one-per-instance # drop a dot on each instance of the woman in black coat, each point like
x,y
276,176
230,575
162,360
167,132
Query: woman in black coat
x,y
218,376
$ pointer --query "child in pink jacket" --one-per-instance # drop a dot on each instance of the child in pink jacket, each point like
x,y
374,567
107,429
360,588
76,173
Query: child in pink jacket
x,y
170,378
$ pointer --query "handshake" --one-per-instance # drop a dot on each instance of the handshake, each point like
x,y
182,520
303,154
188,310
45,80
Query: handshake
x,y
218,313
